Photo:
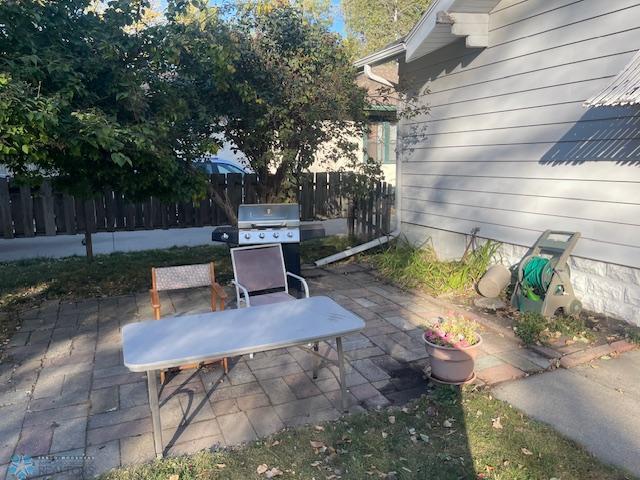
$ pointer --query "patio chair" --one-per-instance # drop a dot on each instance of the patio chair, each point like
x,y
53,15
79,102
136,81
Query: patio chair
x,y
183,277
260,274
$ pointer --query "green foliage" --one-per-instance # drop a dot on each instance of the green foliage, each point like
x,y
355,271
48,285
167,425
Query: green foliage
x,y
299,94
416,267
533,328
374,24
95,97
106,95
529,327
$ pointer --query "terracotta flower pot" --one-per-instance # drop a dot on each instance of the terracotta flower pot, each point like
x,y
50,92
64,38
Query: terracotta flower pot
x,y
452,365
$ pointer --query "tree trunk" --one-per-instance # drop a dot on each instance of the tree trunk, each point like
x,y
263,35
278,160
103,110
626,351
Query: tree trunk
x,y
88,243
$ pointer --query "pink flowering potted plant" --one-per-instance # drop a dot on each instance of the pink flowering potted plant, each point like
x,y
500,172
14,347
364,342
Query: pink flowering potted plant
x,y
452,343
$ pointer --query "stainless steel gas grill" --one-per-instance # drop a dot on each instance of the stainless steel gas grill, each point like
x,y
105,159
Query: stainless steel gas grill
x,y
270,223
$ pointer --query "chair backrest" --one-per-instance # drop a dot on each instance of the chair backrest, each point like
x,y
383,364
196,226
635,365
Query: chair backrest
x,y
259,267
183,276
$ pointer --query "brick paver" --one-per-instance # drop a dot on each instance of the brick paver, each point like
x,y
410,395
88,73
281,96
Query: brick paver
x,y
64,387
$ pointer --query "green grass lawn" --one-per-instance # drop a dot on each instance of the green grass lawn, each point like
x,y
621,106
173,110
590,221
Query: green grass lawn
x,y
25,283
74,278
450,434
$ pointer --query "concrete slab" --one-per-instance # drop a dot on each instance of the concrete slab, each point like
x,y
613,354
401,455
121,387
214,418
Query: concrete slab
x,y
597,407
59,246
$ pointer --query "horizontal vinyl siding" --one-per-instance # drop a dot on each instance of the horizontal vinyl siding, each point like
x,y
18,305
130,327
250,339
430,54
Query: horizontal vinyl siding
x,y
507,145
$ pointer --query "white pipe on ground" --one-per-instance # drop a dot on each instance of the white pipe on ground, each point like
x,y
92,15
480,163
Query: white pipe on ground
x,y
380,240
354,250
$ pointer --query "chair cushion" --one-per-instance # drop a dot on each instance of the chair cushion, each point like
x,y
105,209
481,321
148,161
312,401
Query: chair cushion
x,y
269,298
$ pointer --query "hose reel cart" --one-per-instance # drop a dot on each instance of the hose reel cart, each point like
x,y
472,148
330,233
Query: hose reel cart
x,y
544,278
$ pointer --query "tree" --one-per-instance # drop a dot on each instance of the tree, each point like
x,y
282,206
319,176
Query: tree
x,y
95,97
373,24
300,94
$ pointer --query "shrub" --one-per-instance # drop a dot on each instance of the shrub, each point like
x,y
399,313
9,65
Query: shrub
x,y
529,327
415,267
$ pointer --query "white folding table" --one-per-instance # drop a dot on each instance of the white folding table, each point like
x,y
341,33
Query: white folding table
x,y
155,345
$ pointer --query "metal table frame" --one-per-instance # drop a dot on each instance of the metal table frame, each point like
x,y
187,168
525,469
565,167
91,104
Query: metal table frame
x,y
153,373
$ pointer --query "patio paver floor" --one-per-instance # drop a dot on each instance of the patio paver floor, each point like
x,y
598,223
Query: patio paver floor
x,y
65,389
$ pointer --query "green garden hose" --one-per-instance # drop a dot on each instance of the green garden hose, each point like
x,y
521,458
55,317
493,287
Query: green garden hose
x,y
536,277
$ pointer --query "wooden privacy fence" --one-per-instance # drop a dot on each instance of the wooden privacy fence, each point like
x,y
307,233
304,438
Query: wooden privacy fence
x,y
29,211
370,216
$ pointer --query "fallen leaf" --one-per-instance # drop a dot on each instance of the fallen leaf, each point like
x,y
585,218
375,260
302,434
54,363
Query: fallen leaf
x,y
274,472
318,428
385,434
221,465
407,470
316,444
526,451
392,419
447,424
316,463
495,423
413,439
405,410
605,357
175,476
424,438
262,468
432,411
275,443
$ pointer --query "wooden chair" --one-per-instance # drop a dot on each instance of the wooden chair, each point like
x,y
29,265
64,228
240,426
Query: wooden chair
x,y
183,277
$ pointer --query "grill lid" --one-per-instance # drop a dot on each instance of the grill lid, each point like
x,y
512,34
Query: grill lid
x,y
268,215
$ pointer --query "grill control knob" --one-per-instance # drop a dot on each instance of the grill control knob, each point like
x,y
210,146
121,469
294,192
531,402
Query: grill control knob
x,y
289,234
247,236
225,236
261,235
276,234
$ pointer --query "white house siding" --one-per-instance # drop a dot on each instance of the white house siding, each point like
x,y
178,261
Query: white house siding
x,y
508,146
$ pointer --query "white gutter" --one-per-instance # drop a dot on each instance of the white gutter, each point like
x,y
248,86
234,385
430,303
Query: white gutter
x,y
380,240
381,55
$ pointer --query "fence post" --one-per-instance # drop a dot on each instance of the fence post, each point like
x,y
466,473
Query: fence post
x,y
334,204
49,217
351,217
306,196
26,211
5,209
321,194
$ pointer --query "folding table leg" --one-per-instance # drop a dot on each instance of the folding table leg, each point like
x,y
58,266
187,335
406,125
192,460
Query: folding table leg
x,y
155,412
343,382
316,361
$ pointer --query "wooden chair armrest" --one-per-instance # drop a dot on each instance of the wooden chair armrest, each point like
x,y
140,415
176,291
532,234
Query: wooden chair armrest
x,y
155,298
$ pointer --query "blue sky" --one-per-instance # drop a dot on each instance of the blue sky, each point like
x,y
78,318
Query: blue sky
x,y
338,21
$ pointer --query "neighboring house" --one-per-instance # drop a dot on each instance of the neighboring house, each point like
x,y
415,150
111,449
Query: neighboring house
x,y
526,132
380,142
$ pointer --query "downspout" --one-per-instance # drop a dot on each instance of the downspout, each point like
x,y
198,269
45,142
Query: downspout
x,y
380,240
368,72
